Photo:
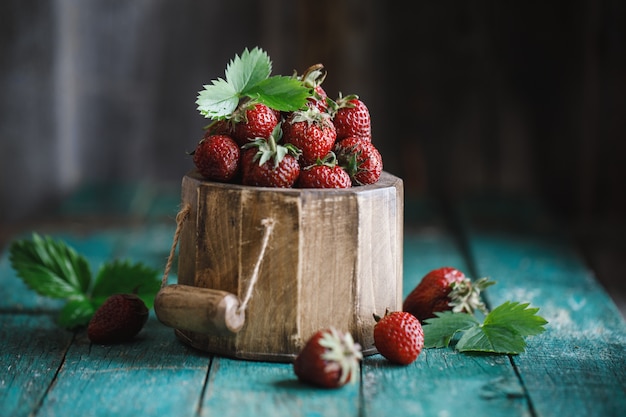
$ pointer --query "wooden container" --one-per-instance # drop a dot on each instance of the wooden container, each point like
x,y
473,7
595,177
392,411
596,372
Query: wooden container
x,y
334,258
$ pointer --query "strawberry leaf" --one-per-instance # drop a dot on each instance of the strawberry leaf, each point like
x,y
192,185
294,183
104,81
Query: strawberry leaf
x,y
248,76
502,331
124,277
245,72
281,93
491,339
76,313
518,317
217,100
50,268
439,330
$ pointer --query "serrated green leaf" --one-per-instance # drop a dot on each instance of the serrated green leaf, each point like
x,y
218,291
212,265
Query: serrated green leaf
x,y
217,100
76,313
125,277
245,72
51,268
438,331
517,317
281,93
491,339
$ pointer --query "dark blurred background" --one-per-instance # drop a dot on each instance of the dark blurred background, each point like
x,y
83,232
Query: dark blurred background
x,y
523,97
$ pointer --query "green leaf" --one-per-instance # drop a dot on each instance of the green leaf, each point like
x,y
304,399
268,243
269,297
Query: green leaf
x,y
491,339
245,72
125,277
281,93
518,317
217,100
248,76
502,331
76,313
438,331
51,268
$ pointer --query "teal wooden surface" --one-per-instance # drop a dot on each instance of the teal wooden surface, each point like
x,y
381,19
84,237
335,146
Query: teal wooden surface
x,y
575,368
578,366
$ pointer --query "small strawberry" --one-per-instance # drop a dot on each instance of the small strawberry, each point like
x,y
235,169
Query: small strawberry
x,y
324,174
360,158
265,163
312,132
118,319
330,359
217,157
313,78
252,121
398,336
443,289
351,117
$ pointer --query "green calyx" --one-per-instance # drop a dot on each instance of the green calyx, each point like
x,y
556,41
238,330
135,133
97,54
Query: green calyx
x,y
465,295
270,149
247,77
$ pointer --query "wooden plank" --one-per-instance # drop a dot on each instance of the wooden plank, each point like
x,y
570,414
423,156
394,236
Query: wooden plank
x,y
32,349
244,388
153,375
577,366
440,381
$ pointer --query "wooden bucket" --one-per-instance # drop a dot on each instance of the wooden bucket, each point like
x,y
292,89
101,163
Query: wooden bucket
x,y
333,258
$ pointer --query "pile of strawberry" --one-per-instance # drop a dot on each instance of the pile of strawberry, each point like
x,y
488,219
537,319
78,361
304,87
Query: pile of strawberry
x,y
290,136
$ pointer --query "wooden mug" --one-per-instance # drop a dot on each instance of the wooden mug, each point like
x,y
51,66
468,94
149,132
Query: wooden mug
x,y
333,258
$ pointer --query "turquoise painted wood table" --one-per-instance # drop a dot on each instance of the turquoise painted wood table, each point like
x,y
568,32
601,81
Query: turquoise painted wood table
x,y
577,367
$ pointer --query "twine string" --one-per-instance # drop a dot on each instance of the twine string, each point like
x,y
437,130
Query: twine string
x,y
180,219
268,223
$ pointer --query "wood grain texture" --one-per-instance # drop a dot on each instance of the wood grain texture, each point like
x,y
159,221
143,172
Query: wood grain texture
x,y
577,366
333,259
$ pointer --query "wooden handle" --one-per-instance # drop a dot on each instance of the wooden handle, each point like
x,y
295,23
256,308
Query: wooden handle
x,y
201,310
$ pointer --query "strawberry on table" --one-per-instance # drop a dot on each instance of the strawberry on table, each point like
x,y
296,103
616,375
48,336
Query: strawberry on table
x,y
329,359
398,336
118,319
217,157
442,289
312,132
360,158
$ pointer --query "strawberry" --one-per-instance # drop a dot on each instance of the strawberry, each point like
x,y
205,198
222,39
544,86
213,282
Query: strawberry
x,y
118,319
265,163
217,157
351,117
398,336
313,78
443,289
360,158
329,359
253,120
324,174
312,132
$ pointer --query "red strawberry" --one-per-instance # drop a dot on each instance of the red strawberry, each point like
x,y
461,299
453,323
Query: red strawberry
x,y
444,289
118,319
330,359
398,336
313,78
351,117
312,132
253,121
324,174
217,157
360,158
264,163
